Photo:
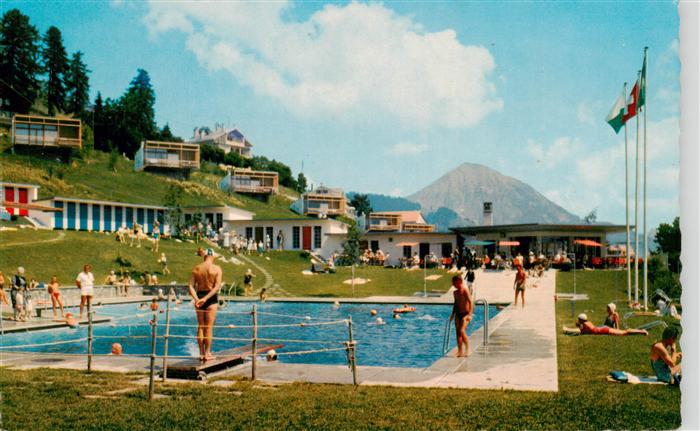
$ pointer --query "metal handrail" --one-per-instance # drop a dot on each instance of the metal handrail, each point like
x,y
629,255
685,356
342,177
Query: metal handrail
x,y
486,318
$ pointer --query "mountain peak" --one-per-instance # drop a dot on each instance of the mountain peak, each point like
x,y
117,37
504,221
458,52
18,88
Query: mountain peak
x,y
466,187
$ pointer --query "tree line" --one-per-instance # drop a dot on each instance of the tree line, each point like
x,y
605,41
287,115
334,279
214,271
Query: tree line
x,y
36,76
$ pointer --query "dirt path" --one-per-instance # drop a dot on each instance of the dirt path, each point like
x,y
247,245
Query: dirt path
x,y
60,237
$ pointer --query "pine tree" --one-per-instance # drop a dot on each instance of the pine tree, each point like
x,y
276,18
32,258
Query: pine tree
x,y
77,85
55,62
19,64
97,123
138,113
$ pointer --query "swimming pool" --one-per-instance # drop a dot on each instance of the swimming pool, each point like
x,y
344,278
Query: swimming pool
x,y
414,340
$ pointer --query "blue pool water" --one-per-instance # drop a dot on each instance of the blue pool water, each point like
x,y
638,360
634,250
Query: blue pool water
x,y
415,340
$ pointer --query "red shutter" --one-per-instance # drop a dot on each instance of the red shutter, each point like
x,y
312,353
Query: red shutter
x,y
10,197
23,200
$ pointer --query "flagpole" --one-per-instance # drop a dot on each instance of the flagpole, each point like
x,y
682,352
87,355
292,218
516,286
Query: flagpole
x,y
643,85
636,201
627,206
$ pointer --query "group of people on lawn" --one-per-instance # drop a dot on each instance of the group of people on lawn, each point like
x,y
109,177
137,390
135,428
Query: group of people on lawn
x,y
664,355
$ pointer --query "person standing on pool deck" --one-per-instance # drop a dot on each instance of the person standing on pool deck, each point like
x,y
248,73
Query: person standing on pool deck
x,y
85,282
470,280
462,314
204,285
519,284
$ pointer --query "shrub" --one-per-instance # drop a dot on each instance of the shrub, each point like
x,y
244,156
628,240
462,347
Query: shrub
x,y
669,283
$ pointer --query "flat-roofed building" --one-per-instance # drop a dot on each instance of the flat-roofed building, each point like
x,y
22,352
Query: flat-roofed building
x,y
246,180
300,233
166,155
53,132
548,239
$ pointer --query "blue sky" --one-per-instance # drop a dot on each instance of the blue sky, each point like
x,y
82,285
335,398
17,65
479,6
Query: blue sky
x,y
387,97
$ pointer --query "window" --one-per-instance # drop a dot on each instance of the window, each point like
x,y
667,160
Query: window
x,y
407,251
219,221
317,236
248,232
446,249
295,237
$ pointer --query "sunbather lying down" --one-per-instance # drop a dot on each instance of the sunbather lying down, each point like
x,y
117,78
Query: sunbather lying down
x,y
588,328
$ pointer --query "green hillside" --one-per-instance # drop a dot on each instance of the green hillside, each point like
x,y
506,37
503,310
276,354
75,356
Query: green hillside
x,y
90,176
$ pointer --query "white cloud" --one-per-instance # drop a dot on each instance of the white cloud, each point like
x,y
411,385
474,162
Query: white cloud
x,y
351,60
589,112
589,176
561,150
406,148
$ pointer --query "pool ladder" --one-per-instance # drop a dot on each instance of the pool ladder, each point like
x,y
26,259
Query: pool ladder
x,y
448,331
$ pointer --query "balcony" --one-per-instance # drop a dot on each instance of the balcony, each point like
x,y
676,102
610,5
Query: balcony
x,y
384,222
39,131
254,182
168,155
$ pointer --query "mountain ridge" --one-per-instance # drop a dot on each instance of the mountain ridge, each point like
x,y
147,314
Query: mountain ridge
x,y
465,188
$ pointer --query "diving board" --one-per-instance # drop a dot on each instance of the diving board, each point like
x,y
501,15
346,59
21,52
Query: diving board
x,y
195,369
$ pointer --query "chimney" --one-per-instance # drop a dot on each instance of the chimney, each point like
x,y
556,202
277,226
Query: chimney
x,y
488,214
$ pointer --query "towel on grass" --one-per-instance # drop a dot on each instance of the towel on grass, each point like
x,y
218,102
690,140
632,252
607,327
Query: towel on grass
x,y
625,377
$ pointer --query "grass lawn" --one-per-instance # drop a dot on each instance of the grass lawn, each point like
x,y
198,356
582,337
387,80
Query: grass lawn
x,y
63,253
286,269
45,253
53,399
90,177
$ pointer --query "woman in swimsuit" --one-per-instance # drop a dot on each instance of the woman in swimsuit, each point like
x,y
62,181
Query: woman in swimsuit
x,y
588,328
664,357
613,319
55,295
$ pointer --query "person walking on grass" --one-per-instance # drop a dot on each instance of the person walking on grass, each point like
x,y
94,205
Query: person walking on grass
x,y
55,295
204,286
462,312
85,282
163,260
519,284
248,282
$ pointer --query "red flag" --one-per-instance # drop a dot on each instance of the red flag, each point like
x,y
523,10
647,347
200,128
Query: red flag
x,y
632,103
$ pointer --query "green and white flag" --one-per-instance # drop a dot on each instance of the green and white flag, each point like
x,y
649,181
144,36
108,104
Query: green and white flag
x,y
616,117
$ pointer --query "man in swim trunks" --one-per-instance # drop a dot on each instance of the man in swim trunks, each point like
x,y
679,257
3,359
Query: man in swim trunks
x,y
519,284
462,314
204,285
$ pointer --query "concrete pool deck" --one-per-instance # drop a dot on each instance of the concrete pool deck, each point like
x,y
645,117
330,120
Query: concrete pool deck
x,y
521,353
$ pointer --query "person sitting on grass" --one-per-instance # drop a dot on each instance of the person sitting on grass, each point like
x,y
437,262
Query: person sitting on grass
x,y
664,357
613,319
588,328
